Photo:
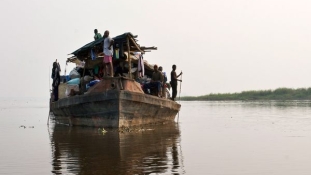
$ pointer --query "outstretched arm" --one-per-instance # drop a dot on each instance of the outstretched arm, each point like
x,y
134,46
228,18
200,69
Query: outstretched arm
x,y
175,76
178,75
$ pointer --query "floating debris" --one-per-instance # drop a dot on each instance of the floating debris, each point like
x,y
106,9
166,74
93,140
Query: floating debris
x,y
102,130
22,126
133,129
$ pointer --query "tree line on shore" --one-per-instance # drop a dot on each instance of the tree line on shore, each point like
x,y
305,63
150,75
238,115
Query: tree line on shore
x,y
277,94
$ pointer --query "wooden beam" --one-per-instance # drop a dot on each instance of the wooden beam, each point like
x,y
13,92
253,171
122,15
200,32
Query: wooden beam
x,y
136,45
148,48
129,56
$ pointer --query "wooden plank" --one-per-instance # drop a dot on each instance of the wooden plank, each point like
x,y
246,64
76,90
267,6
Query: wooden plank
x,y
149,48
129,56
136,45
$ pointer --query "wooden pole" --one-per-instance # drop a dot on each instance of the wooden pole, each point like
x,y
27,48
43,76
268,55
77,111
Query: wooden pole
x,y
179,96
82,89
129,56
180,87
84,69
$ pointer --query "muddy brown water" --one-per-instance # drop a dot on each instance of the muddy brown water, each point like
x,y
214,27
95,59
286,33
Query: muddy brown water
x,y
221,138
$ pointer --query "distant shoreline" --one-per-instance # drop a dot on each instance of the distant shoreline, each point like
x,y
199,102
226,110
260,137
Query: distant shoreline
x,y
277,94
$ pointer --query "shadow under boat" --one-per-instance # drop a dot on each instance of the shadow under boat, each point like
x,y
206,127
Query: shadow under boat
x,y
87,150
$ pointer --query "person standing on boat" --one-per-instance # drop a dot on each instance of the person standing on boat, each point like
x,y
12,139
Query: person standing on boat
x,y
54,68
97,35
174,82
163,82
108,53
157,80
56,80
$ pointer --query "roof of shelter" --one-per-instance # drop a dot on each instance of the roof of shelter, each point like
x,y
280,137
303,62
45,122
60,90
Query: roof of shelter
x,y
83,54
89,46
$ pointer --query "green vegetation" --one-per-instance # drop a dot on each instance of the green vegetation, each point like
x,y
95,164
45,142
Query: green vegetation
x,y
278,94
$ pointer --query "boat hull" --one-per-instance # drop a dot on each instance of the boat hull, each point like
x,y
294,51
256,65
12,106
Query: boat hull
x,y
113,109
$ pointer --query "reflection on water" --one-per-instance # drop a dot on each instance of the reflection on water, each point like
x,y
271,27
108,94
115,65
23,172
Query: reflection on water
x,y
85,150
225,138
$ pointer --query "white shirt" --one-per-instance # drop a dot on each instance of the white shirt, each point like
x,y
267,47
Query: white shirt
x,y
106,46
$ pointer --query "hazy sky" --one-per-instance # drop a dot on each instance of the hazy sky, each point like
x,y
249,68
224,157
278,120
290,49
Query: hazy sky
x,y
220,45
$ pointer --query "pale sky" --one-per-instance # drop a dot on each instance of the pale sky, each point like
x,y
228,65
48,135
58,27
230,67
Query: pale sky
x,y
220,45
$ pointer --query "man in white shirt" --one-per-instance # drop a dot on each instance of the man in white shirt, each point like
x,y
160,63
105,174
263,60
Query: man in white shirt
x,y
108,53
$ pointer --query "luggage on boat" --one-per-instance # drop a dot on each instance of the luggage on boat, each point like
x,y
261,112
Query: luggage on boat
x,y
70,87
74,81
87,78
74,74
92,83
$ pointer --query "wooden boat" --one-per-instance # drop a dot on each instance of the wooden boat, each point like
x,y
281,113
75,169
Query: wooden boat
x,y
114,101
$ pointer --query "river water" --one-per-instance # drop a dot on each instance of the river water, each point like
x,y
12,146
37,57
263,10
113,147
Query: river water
x,y
214,138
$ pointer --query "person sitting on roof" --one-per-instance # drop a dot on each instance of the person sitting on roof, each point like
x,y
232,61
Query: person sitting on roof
x,y
108,53
97,35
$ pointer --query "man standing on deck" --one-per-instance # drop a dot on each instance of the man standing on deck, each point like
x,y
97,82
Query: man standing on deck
x,y
56,80
174,82
157,80
97,35
108,52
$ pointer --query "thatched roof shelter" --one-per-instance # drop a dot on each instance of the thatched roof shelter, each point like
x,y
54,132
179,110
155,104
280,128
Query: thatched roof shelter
x,y
126,45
